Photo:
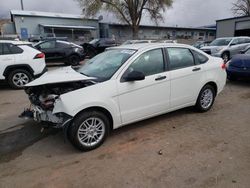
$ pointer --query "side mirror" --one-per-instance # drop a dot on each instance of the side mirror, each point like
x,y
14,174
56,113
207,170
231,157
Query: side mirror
x,y
232,44
242,51
134,76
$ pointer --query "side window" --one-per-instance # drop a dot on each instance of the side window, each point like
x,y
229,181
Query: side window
x,y
15,49
199,58
235,42
180,58
1,49
61,45
6,49
148,63
47,45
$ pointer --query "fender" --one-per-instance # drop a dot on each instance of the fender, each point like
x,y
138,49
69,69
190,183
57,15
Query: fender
x,y
10,67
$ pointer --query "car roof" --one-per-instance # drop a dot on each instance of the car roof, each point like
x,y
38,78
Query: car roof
x,y
15,42
143,46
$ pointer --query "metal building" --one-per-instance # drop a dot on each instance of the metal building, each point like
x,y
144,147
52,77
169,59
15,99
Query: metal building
x,y
237,26
28,24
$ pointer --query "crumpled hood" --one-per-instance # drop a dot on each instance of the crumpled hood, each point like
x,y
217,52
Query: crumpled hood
x,y
61,75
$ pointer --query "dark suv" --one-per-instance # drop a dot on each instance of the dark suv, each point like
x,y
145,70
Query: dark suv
x,y
97,46
56,50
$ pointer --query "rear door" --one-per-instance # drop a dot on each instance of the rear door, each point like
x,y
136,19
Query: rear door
x,y
186,76
6,58
49,49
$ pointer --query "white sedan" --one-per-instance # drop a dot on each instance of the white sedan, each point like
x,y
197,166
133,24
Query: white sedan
x,y
123,85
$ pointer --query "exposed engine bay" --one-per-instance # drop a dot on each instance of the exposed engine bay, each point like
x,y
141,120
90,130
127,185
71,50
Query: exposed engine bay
x,y
43,98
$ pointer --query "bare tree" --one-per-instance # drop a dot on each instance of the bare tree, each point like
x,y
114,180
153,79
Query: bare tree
x,y
241,8
128,11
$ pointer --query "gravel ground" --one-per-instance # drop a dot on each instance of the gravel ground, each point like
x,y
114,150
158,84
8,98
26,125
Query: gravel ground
x,y
179,149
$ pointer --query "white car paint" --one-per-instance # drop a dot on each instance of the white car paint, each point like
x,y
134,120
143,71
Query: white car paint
x,y
129,102
24,58
64,74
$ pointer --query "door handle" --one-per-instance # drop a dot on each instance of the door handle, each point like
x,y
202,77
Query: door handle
x,y
196,69
160,78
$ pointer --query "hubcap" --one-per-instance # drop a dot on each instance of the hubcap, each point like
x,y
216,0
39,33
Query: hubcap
x,y
20,79
207,98
91,131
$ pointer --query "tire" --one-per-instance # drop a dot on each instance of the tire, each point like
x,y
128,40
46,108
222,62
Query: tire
x,y
83,135
225,56
18,78
207,91
74,60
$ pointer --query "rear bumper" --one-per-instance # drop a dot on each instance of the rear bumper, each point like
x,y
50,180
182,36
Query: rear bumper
x,y
40,74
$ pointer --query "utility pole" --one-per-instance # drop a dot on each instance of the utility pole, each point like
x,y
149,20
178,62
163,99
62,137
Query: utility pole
x,y
22,4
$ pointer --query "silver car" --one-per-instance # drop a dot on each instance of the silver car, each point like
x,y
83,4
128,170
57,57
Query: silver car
x,y
227,47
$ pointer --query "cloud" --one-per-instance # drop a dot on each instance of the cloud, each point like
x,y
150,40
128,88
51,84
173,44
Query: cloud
x,y
183,12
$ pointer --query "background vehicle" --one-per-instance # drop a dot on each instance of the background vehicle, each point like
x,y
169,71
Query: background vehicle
x,y
97,46
137,42
226,47
239,66
123,85
56,50
20,63
200,44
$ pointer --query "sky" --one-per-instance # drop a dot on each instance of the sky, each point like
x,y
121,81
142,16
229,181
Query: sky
x,y
184,13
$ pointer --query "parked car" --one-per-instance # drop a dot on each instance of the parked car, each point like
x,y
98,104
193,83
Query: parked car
x,y
200,44
57,50
123,85
20,63
97,46
137,42
239,66
226,47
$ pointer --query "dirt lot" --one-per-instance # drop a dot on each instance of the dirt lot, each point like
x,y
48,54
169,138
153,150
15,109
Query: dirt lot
x,y
180,149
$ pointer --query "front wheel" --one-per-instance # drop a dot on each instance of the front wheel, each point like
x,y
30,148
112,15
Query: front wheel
x,y
205,99
89,130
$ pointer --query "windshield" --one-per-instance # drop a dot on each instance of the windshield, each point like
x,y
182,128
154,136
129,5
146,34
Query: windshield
x,y
248,52
221,42
104,65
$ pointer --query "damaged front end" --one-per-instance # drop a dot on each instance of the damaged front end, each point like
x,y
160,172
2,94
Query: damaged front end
x,y
44,98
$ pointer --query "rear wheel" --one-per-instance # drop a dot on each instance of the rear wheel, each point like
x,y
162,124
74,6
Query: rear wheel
x,y
17,79
89,130
74,60
205,99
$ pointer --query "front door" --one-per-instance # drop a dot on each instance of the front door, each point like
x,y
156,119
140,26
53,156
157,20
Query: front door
x,y
146,98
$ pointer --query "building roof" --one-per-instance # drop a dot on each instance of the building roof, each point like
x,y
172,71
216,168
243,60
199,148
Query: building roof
x,y
68,26
233,18
167,27
45,14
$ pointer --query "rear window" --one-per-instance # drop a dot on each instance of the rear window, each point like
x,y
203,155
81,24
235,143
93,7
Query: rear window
x,y
199,58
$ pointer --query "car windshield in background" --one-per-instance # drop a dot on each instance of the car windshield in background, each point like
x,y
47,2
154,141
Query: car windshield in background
x,y
221,42
248,52
104,65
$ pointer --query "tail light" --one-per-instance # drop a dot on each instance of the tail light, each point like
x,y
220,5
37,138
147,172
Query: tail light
x,y
39,56
224,65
